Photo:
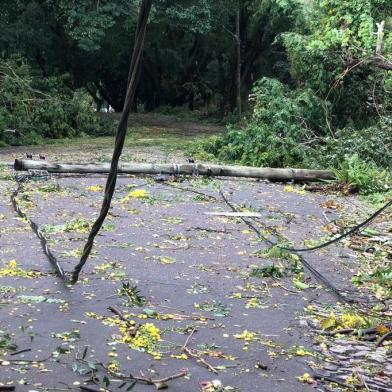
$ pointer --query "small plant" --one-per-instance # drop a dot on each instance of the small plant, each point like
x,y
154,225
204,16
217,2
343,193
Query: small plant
x,y
68,336
277,271
78,225
131,294
275,252
49,188
269,271
217,308
362,176
12,269
6,343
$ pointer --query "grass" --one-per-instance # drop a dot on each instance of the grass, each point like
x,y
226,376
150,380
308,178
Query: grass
x,y
377,200
162,138
184,114
141,144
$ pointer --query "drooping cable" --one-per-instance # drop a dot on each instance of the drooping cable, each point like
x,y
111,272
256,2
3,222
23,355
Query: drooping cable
x,y
144,13
343,236
321,278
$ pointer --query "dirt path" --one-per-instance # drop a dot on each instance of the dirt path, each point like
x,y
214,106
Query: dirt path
x,y
170,269
170,122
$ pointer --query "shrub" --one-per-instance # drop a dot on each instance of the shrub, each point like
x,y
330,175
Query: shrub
x,y
372,145
276,135
364,177
285,129
36,108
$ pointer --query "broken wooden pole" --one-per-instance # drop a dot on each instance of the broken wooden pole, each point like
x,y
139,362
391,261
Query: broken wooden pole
x,y
6,164
273,174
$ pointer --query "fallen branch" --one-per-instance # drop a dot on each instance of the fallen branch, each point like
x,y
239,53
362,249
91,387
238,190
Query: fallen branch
x,y
118,313
287,174
132,327
337,332
192,354
159,382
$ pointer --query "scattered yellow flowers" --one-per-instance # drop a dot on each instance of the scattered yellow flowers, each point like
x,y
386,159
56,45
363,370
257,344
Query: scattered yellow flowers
x,y
290,189
138,194
145,339
179,356
95,188
353,379
246,335
301,352
346,320
351,321
254,303
306,378
114,366
146,336
94,315
12,269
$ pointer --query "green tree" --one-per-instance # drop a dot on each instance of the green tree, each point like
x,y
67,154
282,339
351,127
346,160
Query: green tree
x,y
345,54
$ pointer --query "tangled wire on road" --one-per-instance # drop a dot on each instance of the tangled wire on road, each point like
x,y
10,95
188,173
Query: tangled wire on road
x,y
297,252
21,180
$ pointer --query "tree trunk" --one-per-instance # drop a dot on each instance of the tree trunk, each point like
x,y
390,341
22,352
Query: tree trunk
x,y
238,39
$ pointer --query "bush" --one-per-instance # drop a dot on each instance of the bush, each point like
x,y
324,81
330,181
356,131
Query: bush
x,y
276,135
286,129
372,145
36,108
364,177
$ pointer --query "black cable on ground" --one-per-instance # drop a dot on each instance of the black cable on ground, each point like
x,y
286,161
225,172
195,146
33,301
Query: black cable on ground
x,y
52,259
343,236
305,263
144,12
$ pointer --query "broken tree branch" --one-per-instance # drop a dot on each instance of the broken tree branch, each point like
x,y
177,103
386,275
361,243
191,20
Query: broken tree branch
x,y
196,356
157,382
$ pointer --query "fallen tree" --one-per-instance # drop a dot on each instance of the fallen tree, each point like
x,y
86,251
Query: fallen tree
x,y
273,174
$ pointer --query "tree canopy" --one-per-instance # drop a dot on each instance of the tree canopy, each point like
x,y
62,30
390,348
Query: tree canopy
x,y
190,53
313,69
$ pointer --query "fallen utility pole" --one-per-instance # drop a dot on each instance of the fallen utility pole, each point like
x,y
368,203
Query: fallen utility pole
x,y
287,174
7,164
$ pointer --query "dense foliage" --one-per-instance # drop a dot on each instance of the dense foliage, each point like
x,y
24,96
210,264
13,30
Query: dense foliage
x,y
190,57
34,108
338,102
315,75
